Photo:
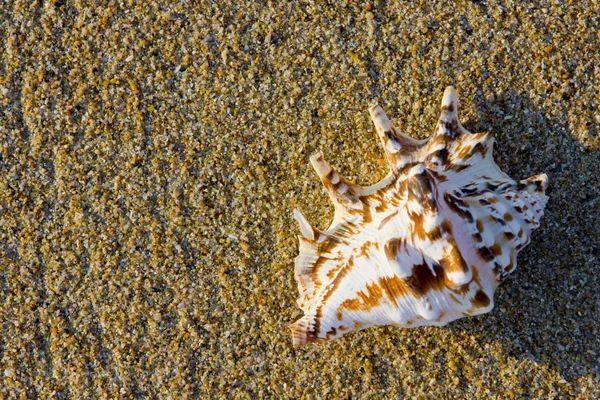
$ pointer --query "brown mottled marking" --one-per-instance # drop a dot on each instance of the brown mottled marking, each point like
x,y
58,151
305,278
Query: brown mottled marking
x,y
509,267
455,299
468,191
458,168
451,126
350,195
408,166
418,228
449,107
509,235
358,325
364,249
393,287
430,276
324,248
330,174
387,219
392,247
331,288
458,206
435,234
421,189
480,226
440,139
442,154
447,226
464,150
423,279
391,137
466,288
498,220
442,315
539,186
364,301
381,207
480,300
479,148
314,274
438,176
333,272
348,229
366,213
313,333
330,187
485,253
304,335
328,244
408,144
453,262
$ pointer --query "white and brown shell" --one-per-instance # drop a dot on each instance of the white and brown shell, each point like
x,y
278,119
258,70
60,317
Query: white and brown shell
x,y
425,246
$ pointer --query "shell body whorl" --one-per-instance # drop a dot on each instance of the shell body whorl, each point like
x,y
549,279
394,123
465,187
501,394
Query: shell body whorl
x,y
425,246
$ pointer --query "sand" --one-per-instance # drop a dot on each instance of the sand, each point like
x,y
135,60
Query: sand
x,y
151,157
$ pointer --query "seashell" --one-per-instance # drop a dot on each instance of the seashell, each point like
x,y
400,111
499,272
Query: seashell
x,y
428,244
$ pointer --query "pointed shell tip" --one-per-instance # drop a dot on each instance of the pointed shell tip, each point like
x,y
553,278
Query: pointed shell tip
x,y
450,98
305,227
320,165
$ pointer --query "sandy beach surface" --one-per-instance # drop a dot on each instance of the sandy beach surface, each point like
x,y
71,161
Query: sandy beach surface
x,y
151,154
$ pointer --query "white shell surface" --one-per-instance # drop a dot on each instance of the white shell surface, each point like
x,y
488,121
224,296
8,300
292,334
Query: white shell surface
x,y
425,246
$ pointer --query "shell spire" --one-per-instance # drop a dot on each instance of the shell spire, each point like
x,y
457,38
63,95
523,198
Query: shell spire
x,y
427,245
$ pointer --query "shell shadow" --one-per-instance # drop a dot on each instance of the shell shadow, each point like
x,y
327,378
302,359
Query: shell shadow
x,y
547,311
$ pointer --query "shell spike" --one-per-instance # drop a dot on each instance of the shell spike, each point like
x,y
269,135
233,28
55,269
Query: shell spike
x,y
394,142
450,102
305,227
384,129
341,191
535,184
449,123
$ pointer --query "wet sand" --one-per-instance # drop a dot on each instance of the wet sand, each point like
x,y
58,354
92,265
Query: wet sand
x,y
151,157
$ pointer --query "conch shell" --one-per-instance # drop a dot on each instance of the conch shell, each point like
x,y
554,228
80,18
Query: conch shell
x,y
426,245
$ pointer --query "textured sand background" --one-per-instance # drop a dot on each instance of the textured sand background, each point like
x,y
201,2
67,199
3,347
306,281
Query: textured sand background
x,y
151,157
